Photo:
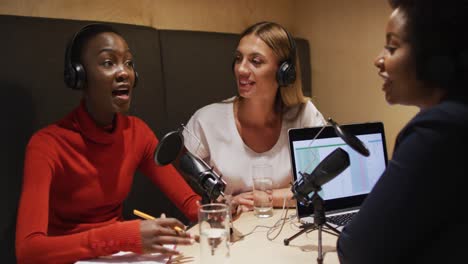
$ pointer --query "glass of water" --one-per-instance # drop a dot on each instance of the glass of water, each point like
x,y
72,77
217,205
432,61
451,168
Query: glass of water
x,y
213,222
262,190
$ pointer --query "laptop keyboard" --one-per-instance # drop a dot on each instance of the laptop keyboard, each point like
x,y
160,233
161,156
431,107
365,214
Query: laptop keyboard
x,y
341,220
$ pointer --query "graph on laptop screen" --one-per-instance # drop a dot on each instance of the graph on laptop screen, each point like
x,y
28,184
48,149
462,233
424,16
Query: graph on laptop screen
x,y
358,178
349,188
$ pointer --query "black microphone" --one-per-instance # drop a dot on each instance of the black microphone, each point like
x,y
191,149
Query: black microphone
x,y
196,172
330,167
202,175
350,139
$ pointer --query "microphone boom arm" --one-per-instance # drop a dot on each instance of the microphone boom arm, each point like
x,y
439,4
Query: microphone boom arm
x,y
204,177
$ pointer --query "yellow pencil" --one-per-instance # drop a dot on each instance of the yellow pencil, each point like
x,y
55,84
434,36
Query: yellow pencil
x,y
149,217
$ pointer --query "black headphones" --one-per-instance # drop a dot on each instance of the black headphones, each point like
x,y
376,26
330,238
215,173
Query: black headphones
x,y
74,72
286,73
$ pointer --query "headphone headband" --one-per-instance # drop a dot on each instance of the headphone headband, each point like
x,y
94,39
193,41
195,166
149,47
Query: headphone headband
x,y
286,74
292,44
77,35
74,72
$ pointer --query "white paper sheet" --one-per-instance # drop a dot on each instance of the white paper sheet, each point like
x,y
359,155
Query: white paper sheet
x,y
130,257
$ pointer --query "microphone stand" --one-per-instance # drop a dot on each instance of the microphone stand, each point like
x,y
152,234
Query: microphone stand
x,y
320,224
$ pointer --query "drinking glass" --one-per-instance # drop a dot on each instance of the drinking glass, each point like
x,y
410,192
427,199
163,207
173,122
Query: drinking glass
x,y
213,222
262,190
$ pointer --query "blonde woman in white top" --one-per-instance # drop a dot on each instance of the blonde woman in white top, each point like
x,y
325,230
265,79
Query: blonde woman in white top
x,y
251,128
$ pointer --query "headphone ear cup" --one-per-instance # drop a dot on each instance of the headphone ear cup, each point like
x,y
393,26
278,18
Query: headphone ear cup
x,y
286,74
69,76
136,78
135,82
75,76
233,64
80,76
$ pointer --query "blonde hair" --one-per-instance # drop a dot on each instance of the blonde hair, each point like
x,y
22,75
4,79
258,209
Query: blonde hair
x,y
280,41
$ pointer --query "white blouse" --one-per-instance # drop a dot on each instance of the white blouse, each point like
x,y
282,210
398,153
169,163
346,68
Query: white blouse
x,y
222,147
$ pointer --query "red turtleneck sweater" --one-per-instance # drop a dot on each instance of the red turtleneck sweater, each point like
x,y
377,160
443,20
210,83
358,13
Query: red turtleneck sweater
x,y
76,176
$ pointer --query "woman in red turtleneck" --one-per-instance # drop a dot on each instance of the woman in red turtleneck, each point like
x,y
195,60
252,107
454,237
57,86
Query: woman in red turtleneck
x,y
78,171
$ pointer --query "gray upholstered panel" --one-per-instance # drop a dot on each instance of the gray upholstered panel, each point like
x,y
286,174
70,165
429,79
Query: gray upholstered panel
x,y
34,95
180,71
197,69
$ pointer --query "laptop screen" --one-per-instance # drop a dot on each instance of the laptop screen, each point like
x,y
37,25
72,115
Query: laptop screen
x,y
349,189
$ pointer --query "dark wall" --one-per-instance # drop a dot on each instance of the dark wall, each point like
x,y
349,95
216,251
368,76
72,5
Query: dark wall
x,y
179,71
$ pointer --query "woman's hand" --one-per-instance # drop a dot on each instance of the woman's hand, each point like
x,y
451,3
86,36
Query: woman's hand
x,y
234,207
279,197
245,201
159,232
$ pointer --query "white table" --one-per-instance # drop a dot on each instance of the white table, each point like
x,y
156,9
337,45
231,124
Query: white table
x,y
256,248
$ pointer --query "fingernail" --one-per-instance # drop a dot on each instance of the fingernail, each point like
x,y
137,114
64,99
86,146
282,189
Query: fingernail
x,y
192,241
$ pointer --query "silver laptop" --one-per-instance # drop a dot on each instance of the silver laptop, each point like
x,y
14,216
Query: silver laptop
x,y
344,194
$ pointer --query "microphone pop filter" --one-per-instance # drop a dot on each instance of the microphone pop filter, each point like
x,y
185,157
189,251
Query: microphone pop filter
x,y
169,148
350,139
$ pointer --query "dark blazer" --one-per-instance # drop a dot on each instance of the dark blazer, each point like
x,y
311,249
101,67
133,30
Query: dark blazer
x,y
414,214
